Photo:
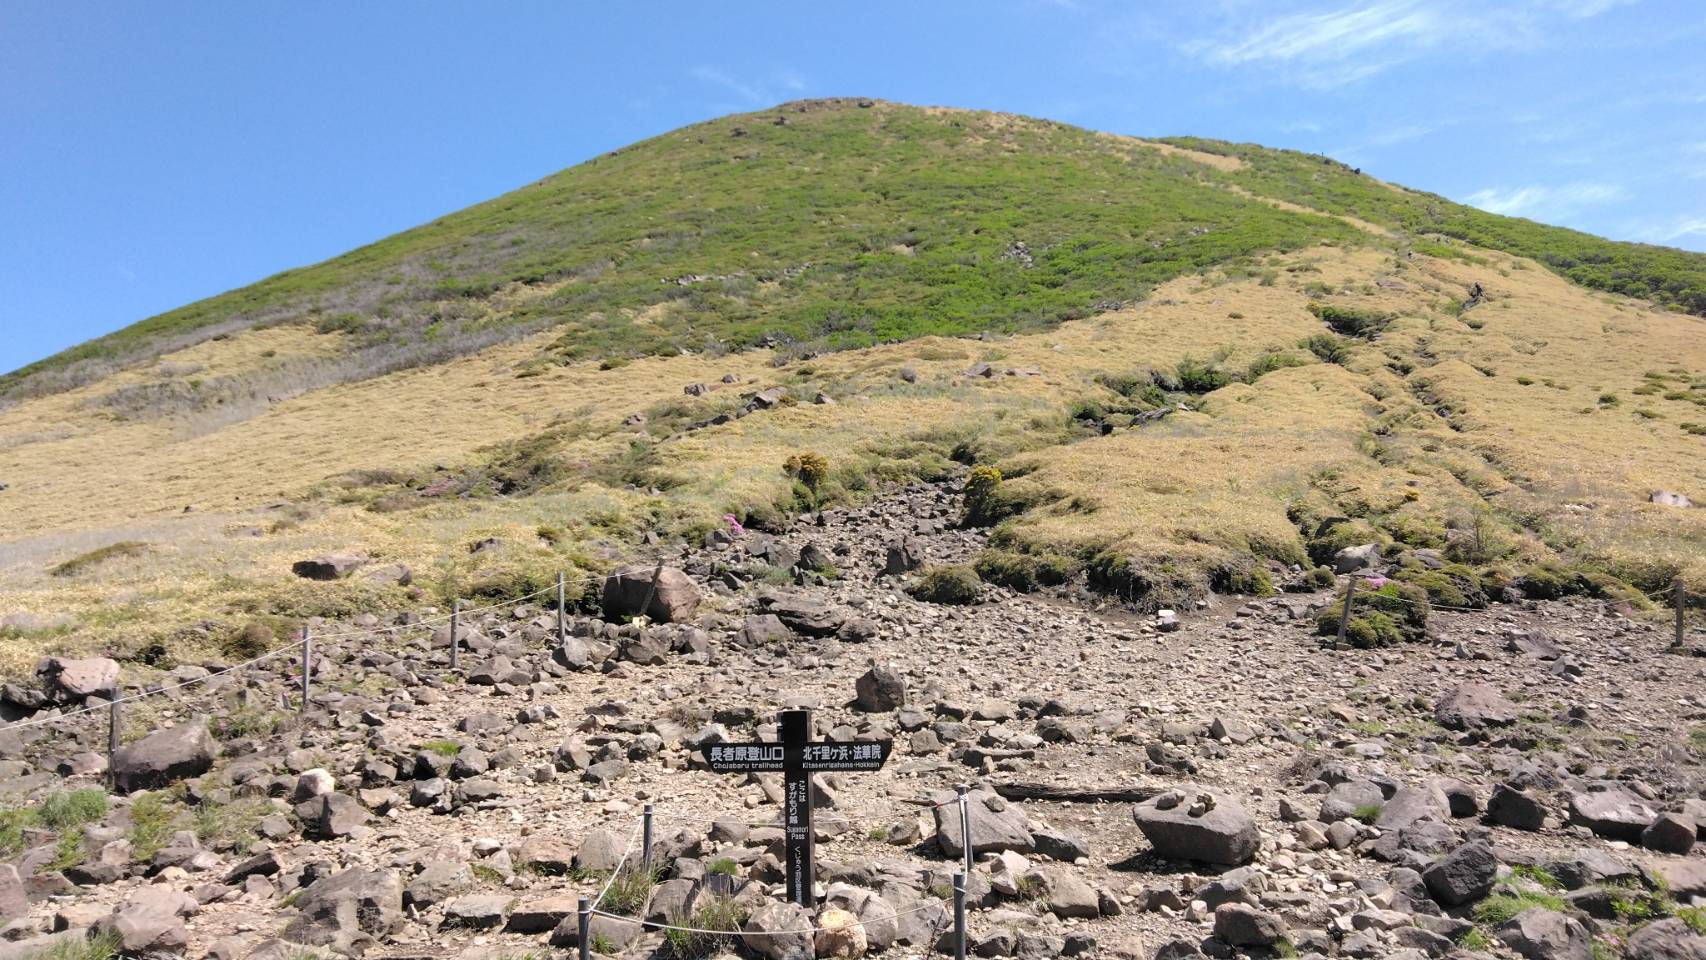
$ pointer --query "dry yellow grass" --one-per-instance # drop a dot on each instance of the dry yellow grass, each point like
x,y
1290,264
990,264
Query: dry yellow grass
x,y
1199,485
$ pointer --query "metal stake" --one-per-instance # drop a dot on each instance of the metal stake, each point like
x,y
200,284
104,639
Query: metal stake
x,y
646,838
586,928
965,828
1345,614
562,623
959,916
1678,601
115,724
455,639
307,666
652,589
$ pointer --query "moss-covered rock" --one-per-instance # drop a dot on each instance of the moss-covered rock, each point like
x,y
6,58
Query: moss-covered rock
x,y
956,585
1453,585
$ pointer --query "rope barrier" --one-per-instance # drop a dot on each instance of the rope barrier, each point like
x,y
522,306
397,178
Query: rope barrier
x,y
618,871
292,646
735,933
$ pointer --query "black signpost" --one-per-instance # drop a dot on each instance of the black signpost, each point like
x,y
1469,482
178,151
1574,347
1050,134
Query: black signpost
x,y
797,757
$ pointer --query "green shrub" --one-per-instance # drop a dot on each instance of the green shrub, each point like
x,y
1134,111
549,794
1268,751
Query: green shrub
x,y
954,585
1508,901
1249,579
1196,376
1453,585
1267,363
1328,348
628,891
809,468
1319,578
691,939
63,811
1395,613
986,502
151,825
1350,321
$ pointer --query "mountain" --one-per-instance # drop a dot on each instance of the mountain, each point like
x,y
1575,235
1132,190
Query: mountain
x,y
1196,366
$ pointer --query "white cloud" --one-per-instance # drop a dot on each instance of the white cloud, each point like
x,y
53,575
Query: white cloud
x,y
753,92
1672,231
1327,47
1538,202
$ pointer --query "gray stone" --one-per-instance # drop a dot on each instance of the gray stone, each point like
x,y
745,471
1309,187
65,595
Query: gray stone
x,y
70,681
880,689
1360,557
1669,939
13,901
675,599
1192,823
331,816
1474,706
996,825
601,851
1670,833
903,556
479,911
438,882
165,757
1541,934
779,931
1245,926
1512,807
1613,813
328,566
1462,876
348,910
1412,804
1345,799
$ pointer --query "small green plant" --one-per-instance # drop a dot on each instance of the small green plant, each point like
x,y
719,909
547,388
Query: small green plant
x,y
601,944
444,748
982,497
486,873
102,946
1509,901
952,585
64,811
724,866
1368,812
151,824
1537,875
1476,939
716,914
628,891
67,849
1694,917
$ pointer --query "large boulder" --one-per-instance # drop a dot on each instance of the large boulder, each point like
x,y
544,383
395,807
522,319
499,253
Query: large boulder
x,y
1541,934
1474,706
805,615
880,689
1242,925
348,910
1462,876
839,935
1669,939
1191,823
71,681
13,901
1670,498
165,757
780,931
1671,833
1613,813
903,556
328,566
675,599
1363,556
1513,807
996,825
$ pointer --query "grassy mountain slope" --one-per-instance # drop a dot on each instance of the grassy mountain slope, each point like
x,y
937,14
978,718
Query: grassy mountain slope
x,y
1329,385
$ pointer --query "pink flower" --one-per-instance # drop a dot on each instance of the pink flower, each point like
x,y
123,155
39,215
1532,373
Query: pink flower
x,y
1377,582
734,524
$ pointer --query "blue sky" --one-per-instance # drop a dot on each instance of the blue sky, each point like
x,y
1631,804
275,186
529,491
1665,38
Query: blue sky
x,y
153,154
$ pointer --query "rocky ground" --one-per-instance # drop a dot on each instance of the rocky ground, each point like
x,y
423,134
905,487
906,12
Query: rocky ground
x,y
1524,783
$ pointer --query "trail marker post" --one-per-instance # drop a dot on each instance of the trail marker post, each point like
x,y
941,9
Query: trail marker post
x,y
1345,614
455,636
115,727
797,757
562,621
1679,596
307,667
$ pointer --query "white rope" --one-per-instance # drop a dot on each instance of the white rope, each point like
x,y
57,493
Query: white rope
x,y
618,871
292,646
934,904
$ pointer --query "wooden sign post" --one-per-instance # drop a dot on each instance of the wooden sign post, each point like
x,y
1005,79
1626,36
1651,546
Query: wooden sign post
x,y
797,757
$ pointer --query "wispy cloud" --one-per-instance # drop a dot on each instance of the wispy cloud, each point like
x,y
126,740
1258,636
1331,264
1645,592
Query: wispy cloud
x,y
749,92
1327,47
1538,202
1674,230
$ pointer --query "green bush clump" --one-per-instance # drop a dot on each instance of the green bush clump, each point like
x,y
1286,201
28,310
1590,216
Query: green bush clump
x,y
87,561
809,468
1248,579
1453,585
987,501
1022,571
1350,321
1197,376
954,585
1328,348
1317,578
1395,613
